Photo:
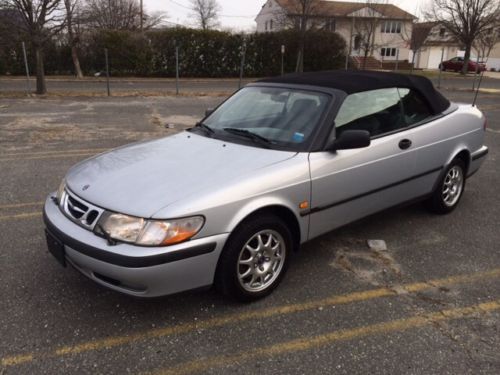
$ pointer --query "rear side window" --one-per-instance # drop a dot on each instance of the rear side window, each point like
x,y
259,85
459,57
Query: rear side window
x,y
414,107
377,111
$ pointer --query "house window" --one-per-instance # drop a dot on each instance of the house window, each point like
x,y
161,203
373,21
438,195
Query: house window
x,y
330,24
388,52
271,25
442,31
357,42
391,27
266,25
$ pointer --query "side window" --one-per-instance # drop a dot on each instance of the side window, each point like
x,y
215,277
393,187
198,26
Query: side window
x,y
414,107
377,111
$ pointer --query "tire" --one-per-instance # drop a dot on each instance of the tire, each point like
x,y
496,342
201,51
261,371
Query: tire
x,y
263,262
450,189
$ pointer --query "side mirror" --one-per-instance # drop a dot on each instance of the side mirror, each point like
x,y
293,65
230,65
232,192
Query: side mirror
x,y
350,139
209,111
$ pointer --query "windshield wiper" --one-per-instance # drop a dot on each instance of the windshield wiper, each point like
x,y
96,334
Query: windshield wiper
x,y
248,134
206,128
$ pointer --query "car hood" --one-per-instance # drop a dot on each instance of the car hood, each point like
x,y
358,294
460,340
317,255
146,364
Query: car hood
x,y
143,178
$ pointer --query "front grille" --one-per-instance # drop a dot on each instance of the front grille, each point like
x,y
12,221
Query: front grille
x,y
81,212
76,209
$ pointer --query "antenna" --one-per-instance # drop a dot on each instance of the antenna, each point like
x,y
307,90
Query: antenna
x,y
478,87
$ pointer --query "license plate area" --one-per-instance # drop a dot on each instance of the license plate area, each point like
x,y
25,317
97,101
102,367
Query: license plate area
x,y
56,248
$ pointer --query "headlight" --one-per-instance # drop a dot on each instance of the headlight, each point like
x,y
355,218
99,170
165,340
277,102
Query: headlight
x,y
60,191
148,232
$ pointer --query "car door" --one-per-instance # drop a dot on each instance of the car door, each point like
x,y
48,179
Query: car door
x,y
349,184
434,138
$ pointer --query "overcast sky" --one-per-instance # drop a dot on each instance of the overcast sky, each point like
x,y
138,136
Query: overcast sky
x,y
240,14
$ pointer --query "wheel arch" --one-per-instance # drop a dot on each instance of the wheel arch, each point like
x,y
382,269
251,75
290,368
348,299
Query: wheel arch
x,y
278,209
461,153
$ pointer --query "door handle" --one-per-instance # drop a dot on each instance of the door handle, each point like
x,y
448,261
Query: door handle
x,y
405,144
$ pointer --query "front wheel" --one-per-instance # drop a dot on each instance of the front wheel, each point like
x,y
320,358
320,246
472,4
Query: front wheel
x,y
255,258
449,190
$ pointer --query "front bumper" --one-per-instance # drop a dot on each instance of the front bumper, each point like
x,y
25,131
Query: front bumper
x,y
134,270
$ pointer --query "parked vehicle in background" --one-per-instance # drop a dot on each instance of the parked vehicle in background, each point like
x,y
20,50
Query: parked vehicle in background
x,y
282,161
457,63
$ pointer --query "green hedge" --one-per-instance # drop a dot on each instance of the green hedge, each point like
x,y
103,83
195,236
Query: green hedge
x,y
201,53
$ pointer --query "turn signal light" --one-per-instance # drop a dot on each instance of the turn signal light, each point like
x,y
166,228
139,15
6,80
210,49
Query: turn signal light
x,y
304,205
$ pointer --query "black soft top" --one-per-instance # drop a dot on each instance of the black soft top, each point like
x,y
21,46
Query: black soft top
x,y
353,81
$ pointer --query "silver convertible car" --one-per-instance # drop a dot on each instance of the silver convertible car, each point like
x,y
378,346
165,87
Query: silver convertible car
x,y
280,162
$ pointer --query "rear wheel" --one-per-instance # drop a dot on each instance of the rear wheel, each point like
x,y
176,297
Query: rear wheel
x,y
450,189
255,258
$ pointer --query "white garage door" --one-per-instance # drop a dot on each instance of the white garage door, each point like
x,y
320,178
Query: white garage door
x,y
435,58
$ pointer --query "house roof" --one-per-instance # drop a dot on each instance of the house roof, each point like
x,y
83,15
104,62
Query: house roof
x,y
343,9
428,34
353,81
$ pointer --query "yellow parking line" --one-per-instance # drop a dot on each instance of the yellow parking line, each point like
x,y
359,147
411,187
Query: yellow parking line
x,y
35,153
20,205
20,216
303,344
17,360
69,155
252,315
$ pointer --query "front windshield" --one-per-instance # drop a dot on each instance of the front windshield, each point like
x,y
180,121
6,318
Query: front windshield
x,y
282,116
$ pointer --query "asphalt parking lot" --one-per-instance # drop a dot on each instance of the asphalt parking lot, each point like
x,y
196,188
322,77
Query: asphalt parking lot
x,y
429,304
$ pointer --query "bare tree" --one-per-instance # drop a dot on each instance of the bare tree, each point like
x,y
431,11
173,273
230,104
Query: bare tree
x,y
418,37
365,28
206,13
486,40
466,20
301,15
119,15
41,20
71,7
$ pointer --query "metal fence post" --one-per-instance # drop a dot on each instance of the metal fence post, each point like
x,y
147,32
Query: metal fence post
x,y
476,72
439,67
176,70
242,67
107,70
397,60
283,59
28,84
413,62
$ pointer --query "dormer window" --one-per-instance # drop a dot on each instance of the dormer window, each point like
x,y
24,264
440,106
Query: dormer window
x,y
442,32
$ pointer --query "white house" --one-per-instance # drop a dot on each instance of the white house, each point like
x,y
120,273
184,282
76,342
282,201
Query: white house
x,y
389,26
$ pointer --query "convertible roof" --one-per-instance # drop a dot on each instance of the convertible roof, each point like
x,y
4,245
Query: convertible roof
x,y
353,81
